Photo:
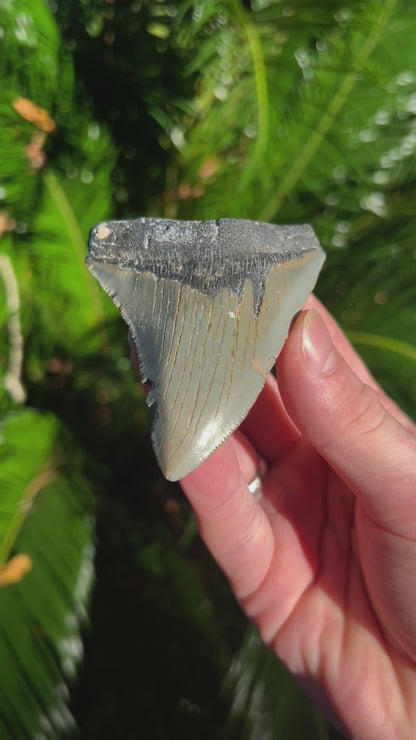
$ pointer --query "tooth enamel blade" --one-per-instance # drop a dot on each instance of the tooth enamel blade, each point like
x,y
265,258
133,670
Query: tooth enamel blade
x,y
209,305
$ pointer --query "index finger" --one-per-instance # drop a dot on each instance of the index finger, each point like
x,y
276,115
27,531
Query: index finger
x,y
231,522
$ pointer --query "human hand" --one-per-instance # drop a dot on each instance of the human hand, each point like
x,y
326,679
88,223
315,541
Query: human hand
x,y
323,561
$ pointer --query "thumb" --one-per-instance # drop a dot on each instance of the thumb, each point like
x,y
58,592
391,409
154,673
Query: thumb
x,y
347,423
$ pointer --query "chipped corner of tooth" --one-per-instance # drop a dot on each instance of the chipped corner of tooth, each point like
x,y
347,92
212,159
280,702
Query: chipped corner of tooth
x,y
102,231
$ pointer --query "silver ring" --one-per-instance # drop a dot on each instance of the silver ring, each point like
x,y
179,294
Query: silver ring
x,y
255,486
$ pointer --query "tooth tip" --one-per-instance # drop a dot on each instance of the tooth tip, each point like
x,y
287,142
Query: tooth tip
x,y
176,467
173,472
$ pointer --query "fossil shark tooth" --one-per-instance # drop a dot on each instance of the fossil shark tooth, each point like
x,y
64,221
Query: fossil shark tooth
x,y
209,305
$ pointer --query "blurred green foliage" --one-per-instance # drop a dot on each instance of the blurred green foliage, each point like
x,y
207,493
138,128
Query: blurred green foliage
x,y
284,111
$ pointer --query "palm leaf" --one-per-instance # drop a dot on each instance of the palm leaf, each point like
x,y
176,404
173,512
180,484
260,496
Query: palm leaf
x,y
56,253
19,483
35,69
45,519
34,61
53,210
265,702
393,362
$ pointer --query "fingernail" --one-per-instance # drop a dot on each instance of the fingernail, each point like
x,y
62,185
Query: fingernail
x,y
317,348
293,322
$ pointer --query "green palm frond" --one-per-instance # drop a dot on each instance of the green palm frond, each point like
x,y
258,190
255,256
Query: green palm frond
x,y
305,84
17,481
46,541
52,209
36,69
56,250
45,520
393,363
265,702
34,60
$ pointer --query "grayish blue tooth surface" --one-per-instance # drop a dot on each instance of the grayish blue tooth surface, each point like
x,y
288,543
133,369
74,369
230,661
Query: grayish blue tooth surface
x,y
209,305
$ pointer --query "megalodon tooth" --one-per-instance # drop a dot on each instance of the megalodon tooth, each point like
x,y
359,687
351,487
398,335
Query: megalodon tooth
x,y
209,305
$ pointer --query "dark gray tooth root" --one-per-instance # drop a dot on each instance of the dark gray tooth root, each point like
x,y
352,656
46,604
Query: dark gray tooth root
x,y
209,305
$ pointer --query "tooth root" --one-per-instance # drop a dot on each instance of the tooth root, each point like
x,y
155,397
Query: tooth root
x,y
206,354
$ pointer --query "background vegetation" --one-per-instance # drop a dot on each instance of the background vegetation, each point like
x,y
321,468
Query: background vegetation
x,y
114,621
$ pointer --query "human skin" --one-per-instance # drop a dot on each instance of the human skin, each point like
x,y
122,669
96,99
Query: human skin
x,y
323,561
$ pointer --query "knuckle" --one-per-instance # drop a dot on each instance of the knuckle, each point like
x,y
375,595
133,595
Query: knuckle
x,y
367,413
247,535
